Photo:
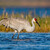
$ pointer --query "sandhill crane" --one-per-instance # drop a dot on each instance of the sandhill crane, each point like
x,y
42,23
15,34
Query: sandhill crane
x,y
19,24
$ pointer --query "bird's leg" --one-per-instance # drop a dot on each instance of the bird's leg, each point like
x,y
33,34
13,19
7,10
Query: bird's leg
x,y
14,34
18,36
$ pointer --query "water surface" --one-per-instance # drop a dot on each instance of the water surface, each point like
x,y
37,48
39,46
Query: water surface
x,y
29,41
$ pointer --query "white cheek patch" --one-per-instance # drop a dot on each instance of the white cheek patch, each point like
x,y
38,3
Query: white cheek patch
x,y
33,20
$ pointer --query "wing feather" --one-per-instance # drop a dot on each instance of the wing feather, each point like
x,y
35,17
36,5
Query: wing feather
x,y
21,21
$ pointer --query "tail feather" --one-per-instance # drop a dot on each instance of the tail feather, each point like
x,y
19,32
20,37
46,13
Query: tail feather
x,y
2,21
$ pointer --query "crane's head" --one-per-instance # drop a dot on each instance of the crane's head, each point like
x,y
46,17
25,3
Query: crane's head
x,y
35,20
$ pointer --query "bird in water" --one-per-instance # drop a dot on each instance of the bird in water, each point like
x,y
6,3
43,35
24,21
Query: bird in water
x,y
18,24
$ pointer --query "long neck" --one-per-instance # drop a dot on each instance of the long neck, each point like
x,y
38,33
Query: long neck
x,y
30,28
33,26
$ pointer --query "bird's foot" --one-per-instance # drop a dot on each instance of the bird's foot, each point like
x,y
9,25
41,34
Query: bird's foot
x,y
12,37
18,37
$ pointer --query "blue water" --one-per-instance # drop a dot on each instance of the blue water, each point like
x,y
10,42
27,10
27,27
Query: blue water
x,y
28,41
38,11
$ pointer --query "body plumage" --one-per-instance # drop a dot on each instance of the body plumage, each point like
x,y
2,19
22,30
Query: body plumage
x,y
18,24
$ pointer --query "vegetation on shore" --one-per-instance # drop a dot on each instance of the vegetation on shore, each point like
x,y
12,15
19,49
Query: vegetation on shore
x,y
44,23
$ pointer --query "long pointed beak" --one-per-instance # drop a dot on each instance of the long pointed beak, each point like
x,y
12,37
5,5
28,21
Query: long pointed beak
x,y
37,23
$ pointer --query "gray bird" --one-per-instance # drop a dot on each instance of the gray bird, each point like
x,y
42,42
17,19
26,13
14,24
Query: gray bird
x,y
18,24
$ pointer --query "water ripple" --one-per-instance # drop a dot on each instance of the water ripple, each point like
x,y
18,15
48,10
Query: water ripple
x,y
30,41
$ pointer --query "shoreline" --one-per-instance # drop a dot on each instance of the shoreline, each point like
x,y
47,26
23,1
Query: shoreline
x,y
25,32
